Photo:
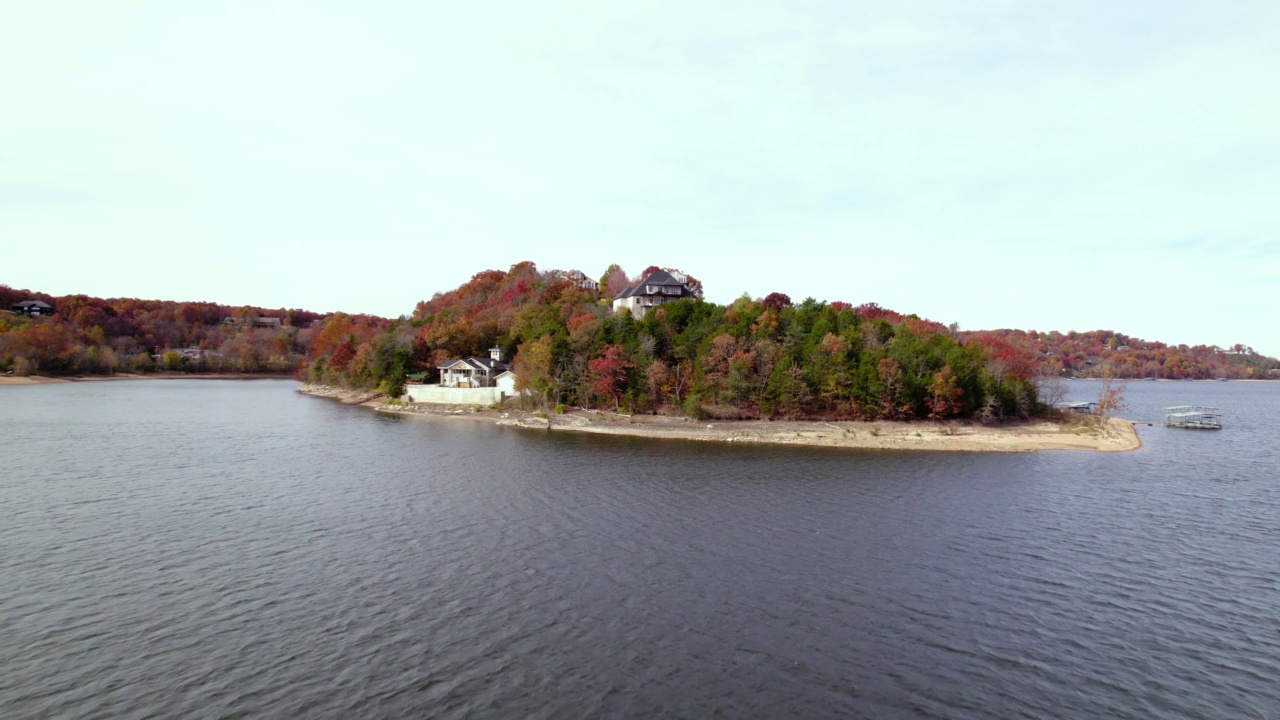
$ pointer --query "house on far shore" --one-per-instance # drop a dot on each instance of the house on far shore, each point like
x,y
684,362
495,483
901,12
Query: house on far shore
x,y
656,288
475,372
190,353
33,307
262,322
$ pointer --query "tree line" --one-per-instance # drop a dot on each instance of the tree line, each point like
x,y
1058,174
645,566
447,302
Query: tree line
x,y
1097,353
767,357
89,335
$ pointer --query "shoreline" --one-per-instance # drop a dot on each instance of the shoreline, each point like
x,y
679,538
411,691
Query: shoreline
x,y
12,380
959,436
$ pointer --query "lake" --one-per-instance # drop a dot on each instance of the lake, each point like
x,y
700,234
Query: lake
x,y
227,549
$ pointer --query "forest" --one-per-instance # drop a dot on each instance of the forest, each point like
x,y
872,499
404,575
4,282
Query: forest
x,y
86,335
1098,352
766,357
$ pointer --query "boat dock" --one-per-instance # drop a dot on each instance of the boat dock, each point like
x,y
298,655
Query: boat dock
x,y
1195,417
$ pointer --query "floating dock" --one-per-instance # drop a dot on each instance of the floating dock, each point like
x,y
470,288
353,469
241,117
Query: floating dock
x,y
1195,417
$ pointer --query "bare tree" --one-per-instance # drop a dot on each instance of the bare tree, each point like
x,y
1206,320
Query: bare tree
x,y
1110,398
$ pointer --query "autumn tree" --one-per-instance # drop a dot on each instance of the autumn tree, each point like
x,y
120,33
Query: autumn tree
x,y
342,356
613,281
945,393
610,374
776,300
1110,400
535,370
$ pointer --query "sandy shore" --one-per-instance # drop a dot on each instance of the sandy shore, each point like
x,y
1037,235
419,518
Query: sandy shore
x,y
45,380
1118,435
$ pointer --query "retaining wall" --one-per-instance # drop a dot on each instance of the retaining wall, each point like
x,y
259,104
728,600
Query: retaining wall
x,y
453,396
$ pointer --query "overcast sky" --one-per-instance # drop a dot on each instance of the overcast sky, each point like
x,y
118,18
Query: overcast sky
x,y
1043,166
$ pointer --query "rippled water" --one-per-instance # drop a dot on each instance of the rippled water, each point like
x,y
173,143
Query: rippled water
x,y
234,549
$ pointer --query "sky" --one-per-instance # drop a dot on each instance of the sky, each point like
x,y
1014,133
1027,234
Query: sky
x,y
1044,166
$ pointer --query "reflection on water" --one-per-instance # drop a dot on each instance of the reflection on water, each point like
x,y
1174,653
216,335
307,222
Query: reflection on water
x,y
213,548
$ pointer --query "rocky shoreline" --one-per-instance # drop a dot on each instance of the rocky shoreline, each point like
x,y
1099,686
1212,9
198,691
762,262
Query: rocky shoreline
x,y
1117,435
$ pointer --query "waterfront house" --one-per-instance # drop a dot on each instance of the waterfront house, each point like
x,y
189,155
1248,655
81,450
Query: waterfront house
x,y
656,288
33,307
506,383
473,372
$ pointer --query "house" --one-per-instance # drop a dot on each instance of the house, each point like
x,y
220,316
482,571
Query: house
x,y
473,372
656,288
190,353
506,383
580,279
262,322
33,307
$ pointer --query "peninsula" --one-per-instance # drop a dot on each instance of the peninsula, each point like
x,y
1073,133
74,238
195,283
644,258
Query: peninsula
x,y
1030,436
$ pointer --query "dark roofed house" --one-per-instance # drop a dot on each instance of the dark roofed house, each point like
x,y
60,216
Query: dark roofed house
x,y
656,288
473,372
33,307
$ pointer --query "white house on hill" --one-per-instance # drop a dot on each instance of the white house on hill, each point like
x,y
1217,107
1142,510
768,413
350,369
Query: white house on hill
x,y
473,372
656,288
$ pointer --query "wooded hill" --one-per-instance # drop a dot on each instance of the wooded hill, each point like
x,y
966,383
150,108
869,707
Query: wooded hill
x,y
765,357
1095,353
88,335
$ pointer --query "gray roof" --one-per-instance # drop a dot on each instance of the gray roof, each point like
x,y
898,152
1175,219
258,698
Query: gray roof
x,y
657,277
33,303
476,364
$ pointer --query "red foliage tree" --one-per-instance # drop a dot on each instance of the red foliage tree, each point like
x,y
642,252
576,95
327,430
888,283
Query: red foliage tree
x,y
342,356
776,300
944,394
609,373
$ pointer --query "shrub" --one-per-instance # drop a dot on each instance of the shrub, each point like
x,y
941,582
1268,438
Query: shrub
x,y
692,407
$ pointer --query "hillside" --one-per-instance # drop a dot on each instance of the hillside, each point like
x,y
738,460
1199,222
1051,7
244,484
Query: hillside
x,y
753,358
78,334
766,357
1094,353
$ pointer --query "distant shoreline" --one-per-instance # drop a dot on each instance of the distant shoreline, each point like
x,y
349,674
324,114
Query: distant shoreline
x,y
1121,435
53,380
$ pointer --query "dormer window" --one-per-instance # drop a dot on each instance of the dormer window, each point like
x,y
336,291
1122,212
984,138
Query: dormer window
x,y
651,289
671,290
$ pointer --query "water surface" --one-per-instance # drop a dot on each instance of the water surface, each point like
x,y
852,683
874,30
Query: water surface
x,y
234,549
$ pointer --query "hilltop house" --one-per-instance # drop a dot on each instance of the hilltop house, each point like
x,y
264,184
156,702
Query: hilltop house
x,y
33,307
580,279
656,288
473,372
